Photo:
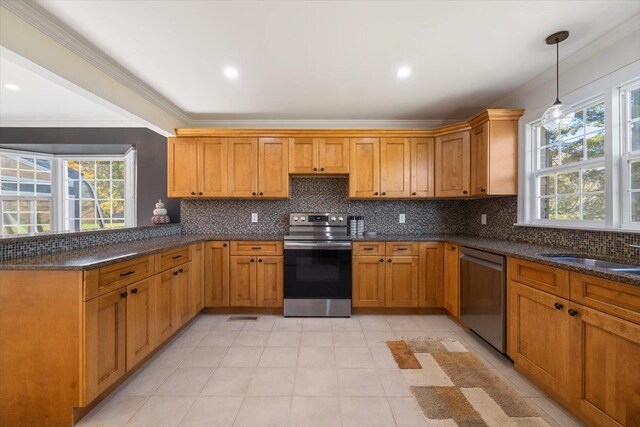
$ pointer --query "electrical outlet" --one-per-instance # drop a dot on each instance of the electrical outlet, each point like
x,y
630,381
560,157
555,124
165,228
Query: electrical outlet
x,y
483,219
254,217
402,219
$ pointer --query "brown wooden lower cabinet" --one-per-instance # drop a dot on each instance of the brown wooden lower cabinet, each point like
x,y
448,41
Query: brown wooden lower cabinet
x,y
242,281
105,342
256,281
165,319
368,281
402,281
452,279
431,274
180,288
216,274
141,314
196,284
270,281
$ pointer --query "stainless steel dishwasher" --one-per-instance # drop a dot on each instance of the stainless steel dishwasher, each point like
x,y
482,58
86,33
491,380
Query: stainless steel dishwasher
x,y
483,295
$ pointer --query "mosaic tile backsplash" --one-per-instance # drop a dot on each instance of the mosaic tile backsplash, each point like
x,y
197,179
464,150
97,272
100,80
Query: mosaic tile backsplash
x,y
40,245
322,195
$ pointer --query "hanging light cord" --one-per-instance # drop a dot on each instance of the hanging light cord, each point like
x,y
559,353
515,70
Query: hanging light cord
x,y
557,72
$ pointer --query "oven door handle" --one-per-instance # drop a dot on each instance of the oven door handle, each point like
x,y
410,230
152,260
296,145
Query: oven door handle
x,y
321,246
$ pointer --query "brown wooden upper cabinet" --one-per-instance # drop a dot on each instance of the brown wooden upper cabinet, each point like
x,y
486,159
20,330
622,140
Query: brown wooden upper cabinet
x,y
422,167
494,158
197,167
452,165
319,156
258,167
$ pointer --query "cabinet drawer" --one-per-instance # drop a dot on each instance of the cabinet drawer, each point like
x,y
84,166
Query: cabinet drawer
x,y
368,248
110,277
611,297
403,248
256,248
172,258
543,277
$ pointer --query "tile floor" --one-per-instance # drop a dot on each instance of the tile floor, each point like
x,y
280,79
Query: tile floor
x,y
292,372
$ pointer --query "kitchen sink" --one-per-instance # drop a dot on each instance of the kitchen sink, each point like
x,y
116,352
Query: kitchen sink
x,y
591,262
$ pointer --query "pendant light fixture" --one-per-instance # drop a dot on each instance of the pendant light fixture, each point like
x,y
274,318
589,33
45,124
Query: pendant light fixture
x,y
558,116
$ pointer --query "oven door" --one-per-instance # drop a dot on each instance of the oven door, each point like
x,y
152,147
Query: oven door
x,y
319,270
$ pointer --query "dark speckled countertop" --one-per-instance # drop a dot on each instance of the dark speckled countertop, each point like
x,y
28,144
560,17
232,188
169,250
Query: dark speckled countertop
x,y
104,255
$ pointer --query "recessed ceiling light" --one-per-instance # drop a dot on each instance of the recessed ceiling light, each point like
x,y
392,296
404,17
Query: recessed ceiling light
x,y
11,86
403,72
231,73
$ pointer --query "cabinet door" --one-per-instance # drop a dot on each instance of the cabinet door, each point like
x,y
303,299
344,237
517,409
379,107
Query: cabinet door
x,y
273,167
180,285
538,336
270,279
402,281
196,285
422,167
303,156
141,325
242,162
368,281
165,319
182,167
333,155
480,159
604,370
105,351
216,274
452,165
431,274
212,167
452,279
395,167
364,168
242,281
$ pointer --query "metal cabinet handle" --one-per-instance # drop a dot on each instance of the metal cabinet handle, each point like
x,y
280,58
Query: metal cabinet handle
x,y
180,271
414,193
402,249
572,312
123,295
252,260
375,194
558,306
199,193
127,273
193,193
389,259
383,193
176,256
367,249
381,260
175,273
224,245
482,190
260,260
261,193
253,194
134,291
465,192
322,169
315,169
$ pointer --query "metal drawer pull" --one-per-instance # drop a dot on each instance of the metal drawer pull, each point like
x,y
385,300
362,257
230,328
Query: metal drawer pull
x,y
402,249
127,273
176,256
256,247
367,249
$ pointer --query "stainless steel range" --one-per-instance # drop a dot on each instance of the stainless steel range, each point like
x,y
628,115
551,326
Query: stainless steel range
x,y
317,266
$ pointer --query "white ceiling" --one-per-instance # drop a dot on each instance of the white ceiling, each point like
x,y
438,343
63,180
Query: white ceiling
x,y
41,102
335,60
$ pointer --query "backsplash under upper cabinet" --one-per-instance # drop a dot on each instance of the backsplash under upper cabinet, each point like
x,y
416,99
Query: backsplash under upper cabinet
x,y
472,158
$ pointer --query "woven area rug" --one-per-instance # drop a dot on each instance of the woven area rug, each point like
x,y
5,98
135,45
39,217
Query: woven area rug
x,y
450,383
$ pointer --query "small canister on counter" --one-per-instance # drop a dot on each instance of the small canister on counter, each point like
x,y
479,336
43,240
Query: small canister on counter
x,y
353,225
360,225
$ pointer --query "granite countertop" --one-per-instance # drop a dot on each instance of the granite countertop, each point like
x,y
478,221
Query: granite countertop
x,y
100,256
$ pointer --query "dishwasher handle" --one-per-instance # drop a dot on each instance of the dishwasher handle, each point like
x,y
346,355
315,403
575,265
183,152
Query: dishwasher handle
x,y
489,264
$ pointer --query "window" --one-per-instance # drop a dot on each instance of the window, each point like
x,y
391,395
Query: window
x,y
570,171
588,174
40,193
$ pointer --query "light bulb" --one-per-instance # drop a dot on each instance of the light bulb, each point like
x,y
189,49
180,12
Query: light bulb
x,y
557,117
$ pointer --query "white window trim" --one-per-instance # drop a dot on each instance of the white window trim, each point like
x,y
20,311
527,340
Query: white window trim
x,y
58,207
607,88
626,156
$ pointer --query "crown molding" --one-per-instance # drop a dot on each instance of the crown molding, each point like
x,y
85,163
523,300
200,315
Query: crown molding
x,y
629,26
27,123
42,21
320,124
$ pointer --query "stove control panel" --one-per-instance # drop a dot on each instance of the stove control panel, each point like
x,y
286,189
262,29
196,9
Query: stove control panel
x,y
318,219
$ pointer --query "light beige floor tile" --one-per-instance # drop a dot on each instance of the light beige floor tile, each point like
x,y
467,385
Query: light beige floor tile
x,y
374,323
366,411
345,324
170,358
218,411
225,325
279,357
205,322
316,324
228,382
382,357
114,411
349,339
272,382
354,357
262,324
288,324
558,413
415,335
436,323
162,411
251,339
316,339
317,357
284,339
402,323
315,412
394,383
264,412
190,337
144,382
219,339
359,382
406,412
185,382
379,338
316,382
242,357
521,383
204,357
